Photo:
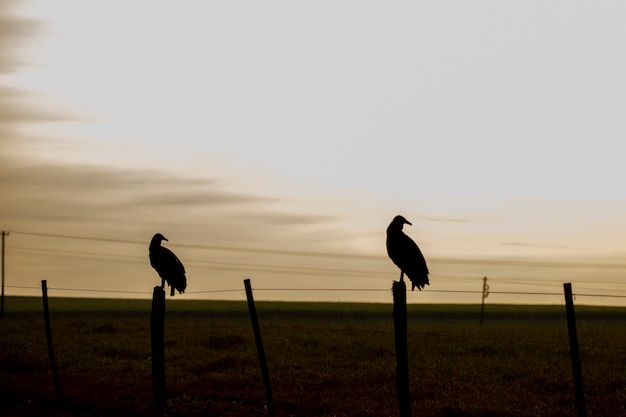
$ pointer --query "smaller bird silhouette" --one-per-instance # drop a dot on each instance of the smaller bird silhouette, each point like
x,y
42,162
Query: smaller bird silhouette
x,y
404,252
169,267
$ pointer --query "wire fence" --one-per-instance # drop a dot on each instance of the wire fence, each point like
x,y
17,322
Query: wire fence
x,y
386,328
379,326
606,288
328,329
340,289
382,329
308,328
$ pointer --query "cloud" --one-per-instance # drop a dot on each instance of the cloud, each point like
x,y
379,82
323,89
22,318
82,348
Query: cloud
x,y
13,31
532,245
131,204
16,105
140,195
448,220
283,218
201,196
133,187
105,202
93,191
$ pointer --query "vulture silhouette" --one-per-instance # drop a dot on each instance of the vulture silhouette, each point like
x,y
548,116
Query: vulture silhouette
x,y
169,267
404,252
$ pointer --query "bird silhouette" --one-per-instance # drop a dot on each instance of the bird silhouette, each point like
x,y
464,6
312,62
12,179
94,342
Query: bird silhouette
x,y
169,267
404,252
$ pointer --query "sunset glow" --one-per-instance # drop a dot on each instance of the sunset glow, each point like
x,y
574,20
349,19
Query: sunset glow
x,y
276,141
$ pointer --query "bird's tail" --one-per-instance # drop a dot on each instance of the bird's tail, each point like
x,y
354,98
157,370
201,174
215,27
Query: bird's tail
x,y
420,285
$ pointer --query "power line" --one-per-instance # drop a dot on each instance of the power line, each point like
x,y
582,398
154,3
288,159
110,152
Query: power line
x,y
338,255
312,271
218,248
213,265
99,239
540,264
47,251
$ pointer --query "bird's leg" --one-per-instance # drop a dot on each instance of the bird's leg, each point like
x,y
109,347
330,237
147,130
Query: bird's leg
x,y
162,282
172,292
401,276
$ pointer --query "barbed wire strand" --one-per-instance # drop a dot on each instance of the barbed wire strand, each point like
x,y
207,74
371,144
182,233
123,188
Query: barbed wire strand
x,y
386,330
324,290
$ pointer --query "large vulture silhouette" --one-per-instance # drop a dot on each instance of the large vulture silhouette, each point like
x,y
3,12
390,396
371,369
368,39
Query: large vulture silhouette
x,y
404,252
169,267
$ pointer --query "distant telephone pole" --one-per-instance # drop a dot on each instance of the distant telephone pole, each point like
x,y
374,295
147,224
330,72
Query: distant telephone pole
x,y
485,295
4,233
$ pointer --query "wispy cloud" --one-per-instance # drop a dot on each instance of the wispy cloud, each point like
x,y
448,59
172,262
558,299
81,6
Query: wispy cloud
x,y
46,191
13,31
16,105
98,200
446,219
532,245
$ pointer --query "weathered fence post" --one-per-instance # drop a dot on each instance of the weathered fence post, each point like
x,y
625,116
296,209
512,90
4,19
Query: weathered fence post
x,y
157,337
573,346
402,354
46,315
259,346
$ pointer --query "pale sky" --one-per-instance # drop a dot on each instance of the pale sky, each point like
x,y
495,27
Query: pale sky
x,y
497,128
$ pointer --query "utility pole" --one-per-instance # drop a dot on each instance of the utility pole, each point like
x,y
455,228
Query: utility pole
x,y
485,295
4,233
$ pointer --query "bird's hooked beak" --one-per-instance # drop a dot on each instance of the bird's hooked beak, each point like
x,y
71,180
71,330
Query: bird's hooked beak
x,y
408,222
164,238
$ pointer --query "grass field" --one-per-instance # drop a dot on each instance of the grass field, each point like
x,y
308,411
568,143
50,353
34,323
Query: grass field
x,y
325,359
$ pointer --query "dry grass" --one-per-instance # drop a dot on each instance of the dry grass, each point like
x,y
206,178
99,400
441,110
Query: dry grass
x,y
324,360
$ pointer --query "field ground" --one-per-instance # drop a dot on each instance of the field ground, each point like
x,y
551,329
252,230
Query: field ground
x,y
325,359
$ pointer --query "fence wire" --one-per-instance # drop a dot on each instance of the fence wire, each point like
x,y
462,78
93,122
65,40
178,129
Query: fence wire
x,y
342,289
386,331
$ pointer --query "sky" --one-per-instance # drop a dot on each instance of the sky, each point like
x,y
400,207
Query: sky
x,y
276,141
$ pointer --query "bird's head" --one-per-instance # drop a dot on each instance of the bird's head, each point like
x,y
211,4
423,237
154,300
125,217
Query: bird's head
x,y
400,221
156,239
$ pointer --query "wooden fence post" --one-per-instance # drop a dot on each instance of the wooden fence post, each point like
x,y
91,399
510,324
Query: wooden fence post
x,y
573,346
157,337
402,354
46,315
259,346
